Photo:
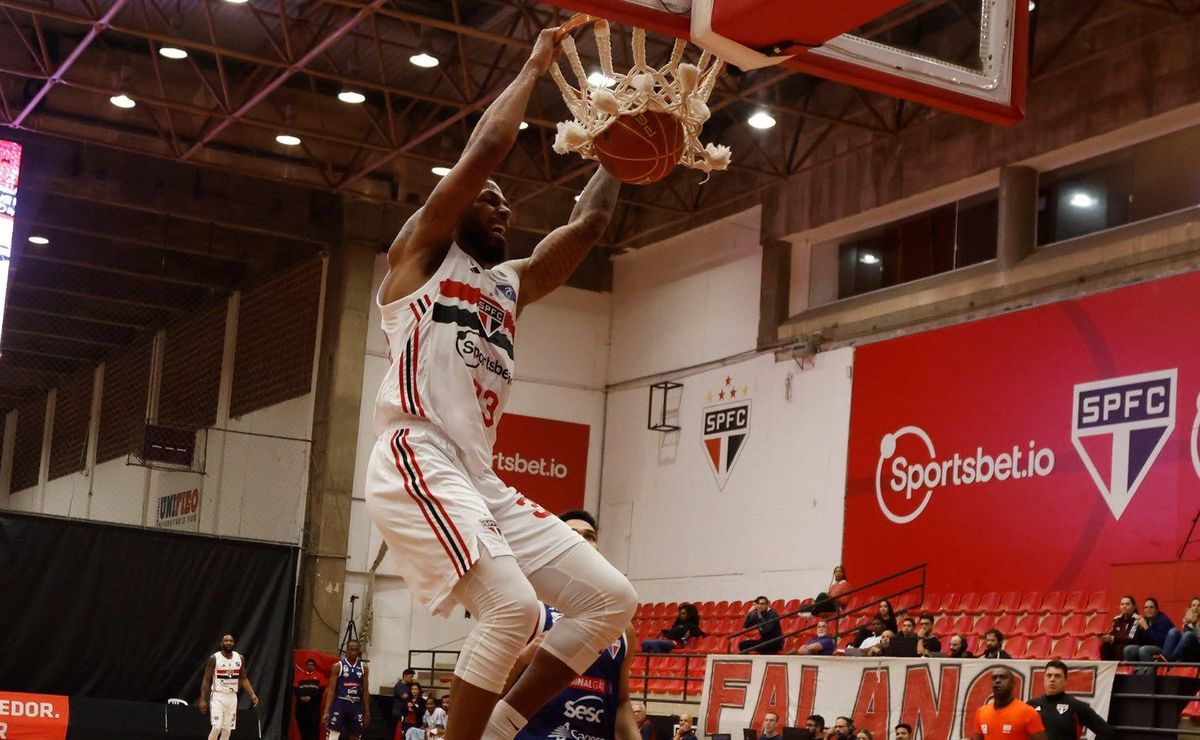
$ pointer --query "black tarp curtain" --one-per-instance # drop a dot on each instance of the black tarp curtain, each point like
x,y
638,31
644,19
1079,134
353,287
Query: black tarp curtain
x,y
115,612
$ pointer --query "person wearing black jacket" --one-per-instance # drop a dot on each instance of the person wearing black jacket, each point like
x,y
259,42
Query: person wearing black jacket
x,y
770,633
993,641
1064,716
685,627
307,692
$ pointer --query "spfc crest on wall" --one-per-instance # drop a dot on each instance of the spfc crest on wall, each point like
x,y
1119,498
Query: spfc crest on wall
x,y
726,427
1119,426
491,315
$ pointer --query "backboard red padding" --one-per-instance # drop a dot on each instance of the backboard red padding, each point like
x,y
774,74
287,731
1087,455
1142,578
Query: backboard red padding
x,y
762,23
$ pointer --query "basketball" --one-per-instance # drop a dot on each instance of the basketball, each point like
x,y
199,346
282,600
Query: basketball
x,y
640,149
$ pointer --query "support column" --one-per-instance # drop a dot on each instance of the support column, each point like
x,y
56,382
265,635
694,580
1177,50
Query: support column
x,y
776,281
1017,236
338,396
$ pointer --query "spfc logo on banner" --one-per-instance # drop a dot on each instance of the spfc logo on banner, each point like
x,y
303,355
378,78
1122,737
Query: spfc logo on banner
x,y
726,427
491,315
1119,426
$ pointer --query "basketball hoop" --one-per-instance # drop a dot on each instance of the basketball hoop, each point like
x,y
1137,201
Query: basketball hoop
x,y
678,89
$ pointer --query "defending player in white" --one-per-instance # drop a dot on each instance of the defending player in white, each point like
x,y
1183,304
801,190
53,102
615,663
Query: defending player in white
x,y
459,535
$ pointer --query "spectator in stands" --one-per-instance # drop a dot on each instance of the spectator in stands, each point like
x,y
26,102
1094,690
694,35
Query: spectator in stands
x,y
958,647
434,719
1063,715
993,646
830,600
882,647
1182,643
685,627
645,726
1150,634
821,644
446,704
1120,636
815,725
842,727
684,730
770,729
886,617
309,687
927,643
864,735
902,731
413,710
770,634
400,696
866,637
1006,715
904,644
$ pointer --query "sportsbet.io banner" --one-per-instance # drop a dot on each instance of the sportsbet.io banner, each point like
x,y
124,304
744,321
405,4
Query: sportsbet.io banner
x,y
937,696
544,459
1031,450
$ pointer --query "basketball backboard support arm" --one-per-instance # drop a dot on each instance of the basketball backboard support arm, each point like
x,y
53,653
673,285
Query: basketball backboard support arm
x,y
816,38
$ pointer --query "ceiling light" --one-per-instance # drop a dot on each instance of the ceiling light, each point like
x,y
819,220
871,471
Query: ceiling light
x,y
599,79
441,171
352,96
523,126
288,140
122,101
38,240
869,258
237,2
1080,199
424,60
172,52
761,119
1032,5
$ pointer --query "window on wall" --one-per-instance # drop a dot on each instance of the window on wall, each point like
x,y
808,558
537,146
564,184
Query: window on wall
x,y
1135,183
946,238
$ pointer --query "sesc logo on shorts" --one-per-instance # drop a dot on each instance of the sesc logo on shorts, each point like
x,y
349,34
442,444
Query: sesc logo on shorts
x,y
1119,426
726,427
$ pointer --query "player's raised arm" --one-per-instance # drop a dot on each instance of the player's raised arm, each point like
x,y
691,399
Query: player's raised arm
x,y
429,231
556,257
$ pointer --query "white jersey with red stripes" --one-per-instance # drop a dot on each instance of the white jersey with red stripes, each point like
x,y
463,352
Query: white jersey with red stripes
x,y
451,346
227,673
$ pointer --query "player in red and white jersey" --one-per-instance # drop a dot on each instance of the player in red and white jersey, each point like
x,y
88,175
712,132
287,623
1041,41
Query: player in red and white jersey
x,y
460,536
224,674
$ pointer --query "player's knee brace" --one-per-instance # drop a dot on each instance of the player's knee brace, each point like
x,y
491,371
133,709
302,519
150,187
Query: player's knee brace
x,y
596,600
507,612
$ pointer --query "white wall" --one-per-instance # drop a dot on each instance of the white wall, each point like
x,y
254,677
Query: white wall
x,y
562,364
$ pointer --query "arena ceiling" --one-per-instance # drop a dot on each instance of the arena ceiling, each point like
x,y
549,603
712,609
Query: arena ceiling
x,y
215,83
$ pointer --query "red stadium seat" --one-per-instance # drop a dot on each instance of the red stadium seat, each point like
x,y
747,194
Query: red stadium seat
x,y
1088,649
930,603
1097,624
1076,602
1027,625
777,605
641,610
974,644
1075,624
985,623
1030,603
661,610
1098,602
1009,602
1016,646
1037,648
949,601
941,625
962,625
711,609
791,606
906,603
1007,624
968,603
737,609
988,602
1052,625
1052,602
1065,648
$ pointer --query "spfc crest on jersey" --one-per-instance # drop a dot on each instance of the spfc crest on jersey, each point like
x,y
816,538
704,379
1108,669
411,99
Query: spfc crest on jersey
x,y
1119,426
491,315
726,428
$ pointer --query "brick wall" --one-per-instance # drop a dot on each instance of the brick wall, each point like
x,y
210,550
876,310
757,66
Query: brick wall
x,y
277,334
27,451
72,411
123,403
191,370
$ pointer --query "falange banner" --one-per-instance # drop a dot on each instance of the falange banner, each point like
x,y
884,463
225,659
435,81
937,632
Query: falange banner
x,y
937,696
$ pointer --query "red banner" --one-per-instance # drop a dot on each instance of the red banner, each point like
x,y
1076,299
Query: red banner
x,y
33,716
544,459
1031,450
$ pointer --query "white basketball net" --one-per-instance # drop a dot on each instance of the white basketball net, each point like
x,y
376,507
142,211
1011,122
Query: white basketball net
x,y
678,89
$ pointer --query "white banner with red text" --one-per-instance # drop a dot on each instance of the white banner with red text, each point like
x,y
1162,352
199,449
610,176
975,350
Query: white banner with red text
x,y
936,696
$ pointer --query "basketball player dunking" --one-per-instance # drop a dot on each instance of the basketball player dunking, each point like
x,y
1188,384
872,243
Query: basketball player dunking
x,y
347,705
459,535
224,674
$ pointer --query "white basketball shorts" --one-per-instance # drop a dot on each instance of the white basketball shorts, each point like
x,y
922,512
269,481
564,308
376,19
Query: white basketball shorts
x,y
435,516
222,710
